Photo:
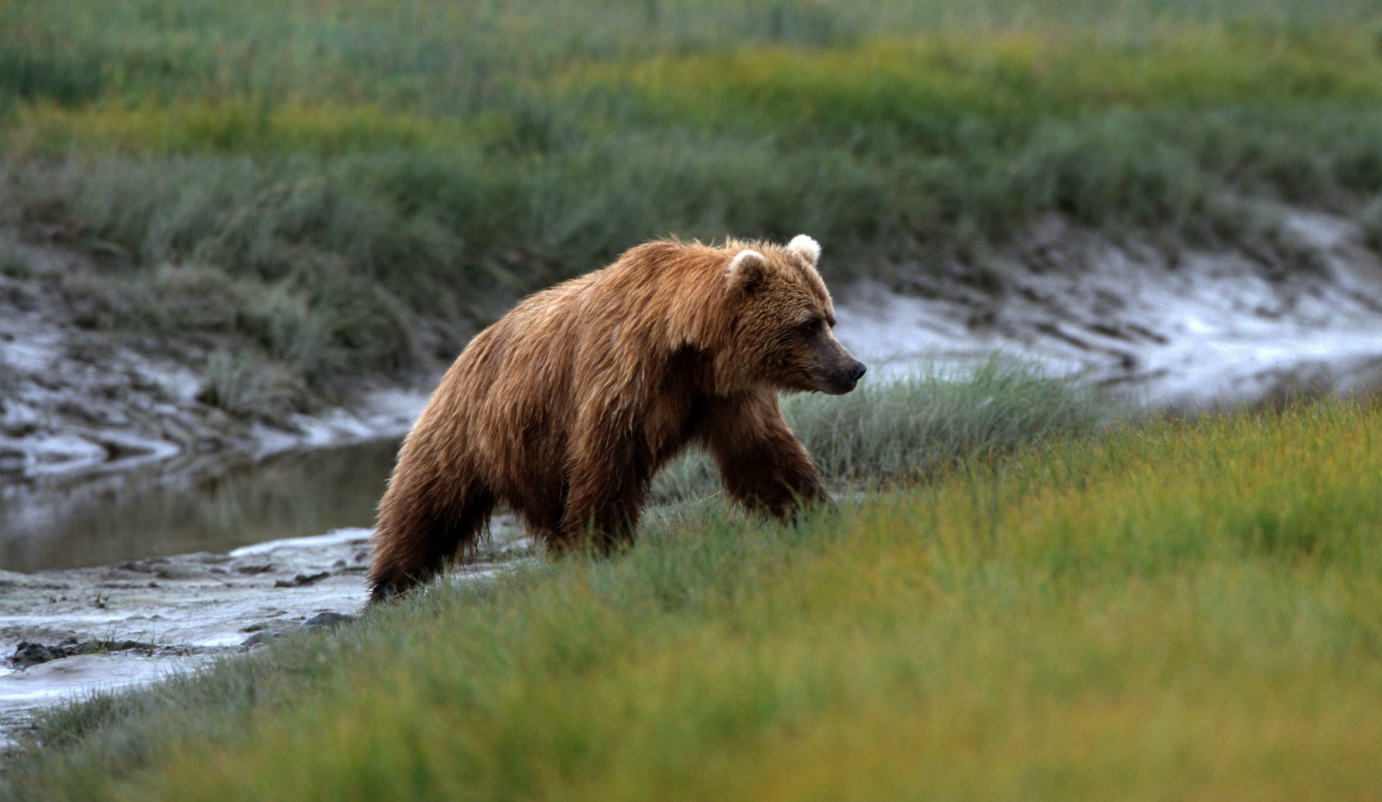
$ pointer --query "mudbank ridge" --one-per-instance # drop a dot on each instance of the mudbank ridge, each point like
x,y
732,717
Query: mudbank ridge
x,y
1186,327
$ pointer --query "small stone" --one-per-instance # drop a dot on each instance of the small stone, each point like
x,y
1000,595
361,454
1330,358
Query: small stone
x,y
302,579
208,445
176,572
327,620
31,654
259,639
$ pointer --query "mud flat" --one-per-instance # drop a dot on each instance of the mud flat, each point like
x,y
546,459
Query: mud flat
x,y
1188,330
66,634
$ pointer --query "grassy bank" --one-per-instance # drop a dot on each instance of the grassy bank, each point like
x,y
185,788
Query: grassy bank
x,y
917,427
1178,609
348,187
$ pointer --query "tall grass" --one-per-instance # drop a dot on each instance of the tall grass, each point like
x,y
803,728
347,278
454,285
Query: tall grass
x,y
1173,610
917,427
452,57
428,162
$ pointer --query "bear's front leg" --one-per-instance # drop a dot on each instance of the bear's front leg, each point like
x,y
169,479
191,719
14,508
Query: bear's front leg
x,y
762,465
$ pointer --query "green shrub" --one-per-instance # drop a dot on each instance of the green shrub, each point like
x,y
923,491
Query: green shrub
x,y
67,75
248,387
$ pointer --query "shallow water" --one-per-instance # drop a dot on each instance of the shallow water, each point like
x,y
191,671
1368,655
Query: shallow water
x,y
171,508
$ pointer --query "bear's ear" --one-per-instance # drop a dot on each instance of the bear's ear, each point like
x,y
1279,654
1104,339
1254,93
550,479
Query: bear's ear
x,y
806,248
747,269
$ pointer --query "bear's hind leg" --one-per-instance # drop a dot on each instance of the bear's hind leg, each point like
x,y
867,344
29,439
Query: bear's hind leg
x,y
415,537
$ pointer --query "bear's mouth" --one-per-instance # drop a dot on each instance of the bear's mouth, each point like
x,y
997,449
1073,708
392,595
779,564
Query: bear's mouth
x,y
841,380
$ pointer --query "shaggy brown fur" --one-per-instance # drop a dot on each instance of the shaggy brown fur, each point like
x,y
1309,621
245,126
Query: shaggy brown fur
x,y
566,408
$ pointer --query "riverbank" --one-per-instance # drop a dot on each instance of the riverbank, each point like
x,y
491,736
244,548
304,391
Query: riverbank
x,y
284,207
1167,326
77,399
1186,329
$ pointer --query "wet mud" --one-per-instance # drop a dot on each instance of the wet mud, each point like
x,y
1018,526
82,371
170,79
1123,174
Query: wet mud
x,y
67,633
1188,330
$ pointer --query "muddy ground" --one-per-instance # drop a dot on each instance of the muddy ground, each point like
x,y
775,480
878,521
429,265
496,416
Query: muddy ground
x,y
1177,328
69,633
76,397
1167,327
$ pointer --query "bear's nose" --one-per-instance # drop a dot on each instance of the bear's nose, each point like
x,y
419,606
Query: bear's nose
x,y
857,372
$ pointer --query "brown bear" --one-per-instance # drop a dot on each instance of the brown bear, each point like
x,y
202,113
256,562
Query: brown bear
x,y
566,408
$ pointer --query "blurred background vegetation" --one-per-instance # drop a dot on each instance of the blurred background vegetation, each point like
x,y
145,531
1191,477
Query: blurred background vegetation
x,y
354,186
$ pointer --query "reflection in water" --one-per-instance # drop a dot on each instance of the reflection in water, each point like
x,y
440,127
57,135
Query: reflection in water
x,y
56,522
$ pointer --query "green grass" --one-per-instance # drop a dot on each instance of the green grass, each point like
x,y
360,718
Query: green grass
x,y
1170,610
911,429
394,174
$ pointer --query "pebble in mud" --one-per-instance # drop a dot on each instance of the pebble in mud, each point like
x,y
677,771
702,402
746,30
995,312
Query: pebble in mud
x,y
329,620
302,579
259,639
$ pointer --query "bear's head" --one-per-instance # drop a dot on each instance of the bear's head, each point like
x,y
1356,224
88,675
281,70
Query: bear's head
x,y
784,320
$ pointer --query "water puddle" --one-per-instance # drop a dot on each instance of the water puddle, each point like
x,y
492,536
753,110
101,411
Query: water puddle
x,y
167,509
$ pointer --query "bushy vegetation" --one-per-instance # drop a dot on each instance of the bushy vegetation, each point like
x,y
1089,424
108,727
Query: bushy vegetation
x,y
1169,610
390,175
912,428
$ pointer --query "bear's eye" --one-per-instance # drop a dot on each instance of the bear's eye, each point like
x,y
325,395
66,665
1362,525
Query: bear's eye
x,y
812,326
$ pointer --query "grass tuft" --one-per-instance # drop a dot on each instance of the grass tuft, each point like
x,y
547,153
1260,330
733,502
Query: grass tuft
x,y
1372,223
16,264
243,386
